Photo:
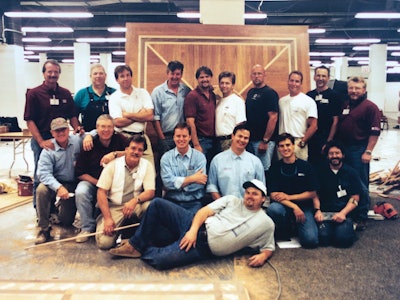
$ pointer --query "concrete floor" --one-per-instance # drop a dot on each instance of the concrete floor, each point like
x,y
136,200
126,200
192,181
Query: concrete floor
x,y
368,270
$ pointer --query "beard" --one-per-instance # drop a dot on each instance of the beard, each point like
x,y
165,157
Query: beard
x,y
335,161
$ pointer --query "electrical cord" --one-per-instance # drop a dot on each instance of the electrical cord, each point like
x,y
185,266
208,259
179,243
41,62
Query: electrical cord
x,y
278,279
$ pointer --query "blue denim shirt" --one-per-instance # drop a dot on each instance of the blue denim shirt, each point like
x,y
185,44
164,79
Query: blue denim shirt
x,y
58,165
168,107
229,171
174,169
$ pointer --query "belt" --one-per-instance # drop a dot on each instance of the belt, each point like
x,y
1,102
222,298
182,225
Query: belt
x,y
224,137
202,241
133,133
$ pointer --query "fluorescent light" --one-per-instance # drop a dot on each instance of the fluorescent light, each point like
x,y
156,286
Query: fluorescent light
x,y
32,56
36,39
316,30
71,60
347,41
363,62
116,29
119,52
394,70
358,58
197,15
101,40
255,16
73,15
392,64
366,48
395,54
28,52
188,15
378,15
314,62
326,54
47,29
44,48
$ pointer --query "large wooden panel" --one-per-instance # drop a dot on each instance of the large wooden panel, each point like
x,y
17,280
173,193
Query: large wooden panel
x,y
236,48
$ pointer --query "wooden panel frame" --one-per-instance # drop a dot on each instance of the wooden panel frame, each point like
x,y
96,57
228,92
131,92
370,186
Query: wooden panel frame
x,y
236,48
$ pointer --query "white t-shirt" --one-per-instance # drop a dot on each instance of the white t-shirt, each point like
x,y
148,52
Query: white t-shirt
x,y
229,112
234,227
294,112
137,100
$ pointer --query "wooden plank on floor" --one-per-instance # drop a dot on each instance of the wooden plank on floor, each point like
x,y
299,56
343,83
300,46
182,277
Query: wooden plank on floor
x,y
11,200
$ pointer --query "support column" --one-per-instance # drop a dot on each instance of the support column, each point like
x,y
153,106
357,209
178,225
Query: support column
x,y
12,62
105,60
81,65
377,76
210,11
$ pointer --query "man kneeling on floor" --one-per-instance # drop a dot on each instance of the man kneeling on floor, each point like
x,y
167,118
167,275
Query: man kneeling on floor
x,y
223,227
125,186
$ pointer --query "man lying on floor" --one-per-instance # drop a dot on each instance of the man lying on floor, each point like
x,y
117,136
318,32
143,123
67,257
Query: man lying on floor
x,y
169,235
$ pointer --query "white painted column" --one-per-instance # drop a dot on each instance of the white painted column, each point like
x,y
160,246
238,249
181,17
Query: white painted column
x,y
377,77
12,103
42,60
81,65
341,68
105,60
222,12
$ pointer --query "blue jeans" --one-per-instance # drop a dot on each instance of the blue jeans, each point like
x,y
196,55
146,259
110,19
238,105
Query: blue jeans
x,y
36,149
283,218
337,234
165,223
85,197
265,157
353,158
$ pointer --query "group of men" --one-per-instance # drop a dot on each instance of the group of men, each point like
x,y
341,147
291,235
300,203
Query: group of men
x,y
219,146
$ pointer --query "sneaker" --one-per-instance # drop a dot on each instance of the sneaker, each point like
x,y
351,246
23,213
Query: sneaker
x,y
82,237
43,236
125,250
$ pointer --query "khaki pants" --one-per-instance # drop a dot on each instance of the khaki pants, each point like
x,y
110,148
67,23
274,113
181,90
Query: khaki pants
x,y
106,242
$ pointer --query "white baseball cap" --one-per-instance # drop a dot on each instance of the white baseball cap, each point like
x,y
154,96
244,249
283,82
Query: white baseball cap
x,y
257,184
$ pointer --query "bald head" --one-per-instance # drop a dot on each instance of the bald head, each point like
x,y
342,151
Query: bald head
x,y
257,76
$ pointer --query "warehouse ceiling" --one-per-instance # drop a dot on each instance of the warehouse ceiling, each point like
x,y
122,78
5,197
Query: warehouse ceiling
x,y
335,16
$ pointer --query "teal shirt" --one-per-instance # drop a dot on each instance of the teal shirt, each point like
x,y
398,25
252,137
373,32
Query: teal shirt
x,y
82,97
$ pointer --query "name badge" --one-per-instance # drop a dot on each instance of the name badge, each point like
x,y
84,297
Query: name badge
x,y
341,193
346,111
325,101
107,97
318,98
54,101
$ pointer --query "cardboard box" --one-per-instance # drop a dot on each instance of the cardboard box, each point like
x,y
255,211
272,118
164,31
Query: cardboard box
x,y
3,128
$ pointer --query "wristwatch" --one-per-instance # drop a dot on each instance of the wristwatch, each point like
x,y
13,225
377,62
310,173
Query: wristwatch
x,y
265,141
302,144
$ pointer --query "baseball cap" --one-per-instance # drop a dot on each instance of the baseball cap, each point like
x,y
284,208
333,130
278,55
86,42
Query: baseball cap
x,y
257,184
59,123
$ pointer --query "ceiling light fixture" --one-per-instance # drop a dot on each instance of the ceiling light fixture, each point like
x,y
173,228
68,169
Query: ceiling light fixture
x,y
316,30
101,40
118,52
36,40
395,54
44,48
347,41
197,15
326,54
378,15
366,48
74,15
116,29
47,29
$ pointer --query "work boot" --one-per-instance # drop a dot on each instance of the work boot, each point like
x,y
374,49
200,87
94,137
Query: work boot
x,y
43,236
125,250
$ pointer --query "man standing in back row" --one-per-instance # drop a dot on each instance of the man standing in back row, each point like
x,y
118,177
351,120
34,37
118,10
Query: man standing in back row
x,y
131,108
298,115
92,101
43,104
359,130
329,105
262,116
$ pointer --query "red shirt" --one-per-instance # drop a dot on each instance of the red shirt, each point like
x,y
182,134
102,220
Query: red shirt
x,y
362,121
44,104
202,109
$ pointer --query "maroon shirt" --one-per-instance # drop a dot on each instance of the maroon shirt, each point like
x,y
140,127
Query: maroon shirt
x,y
88,162
202,109
44,104
360,123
